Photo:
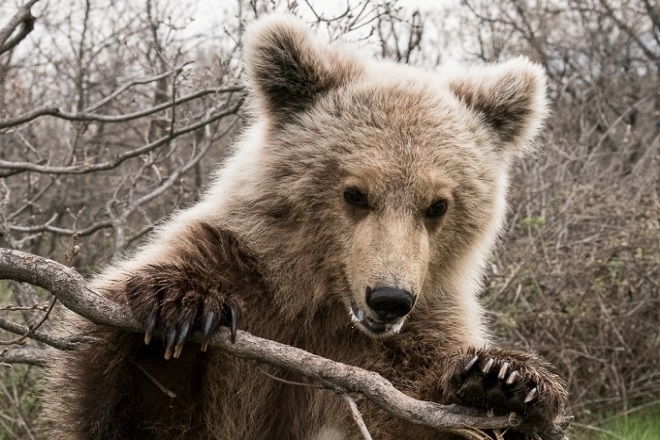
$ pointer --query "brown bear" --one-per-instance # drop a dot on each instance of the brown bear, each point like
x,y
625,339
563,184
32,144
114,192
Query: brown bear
x,y
353,220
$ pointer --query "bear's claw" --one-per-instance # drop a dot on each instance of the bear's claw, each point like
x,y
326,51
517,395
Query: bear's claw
x,y
179,339
531,395
503,370
233,321
471,364
512,377
489,366
151,325
501,375
210,323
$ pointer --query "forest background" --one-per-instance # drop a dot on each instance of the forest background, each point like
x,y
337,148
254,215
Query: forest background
x,y
115,113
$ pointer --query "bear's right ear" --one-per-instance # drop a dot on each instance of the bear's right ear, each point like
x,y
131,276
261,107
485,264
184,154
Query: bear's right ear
x,y
288,69
510,97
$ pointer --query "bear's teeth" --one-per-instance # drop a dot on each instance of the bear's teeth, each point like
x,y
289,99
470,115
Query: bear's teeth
x,y
374,325
357,314
394,328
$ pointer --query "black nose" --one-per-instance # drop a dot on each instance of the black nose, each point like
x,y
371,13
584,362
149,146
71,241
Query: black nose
x,y
389,302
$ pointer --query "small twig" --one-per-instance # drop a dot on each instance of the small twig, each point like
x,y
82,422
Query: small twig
x,y
70,343
291,382
601,430
40,307
357,416
155,381
128,85
32,327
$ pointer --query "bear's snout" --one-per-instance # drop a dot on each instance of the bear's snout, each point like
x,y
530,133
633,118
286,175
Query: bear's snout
x,y
390,303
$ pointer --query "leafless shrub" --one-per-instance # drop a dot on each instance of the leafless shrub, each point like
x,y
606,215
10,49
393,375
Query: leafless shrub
x,y
578,276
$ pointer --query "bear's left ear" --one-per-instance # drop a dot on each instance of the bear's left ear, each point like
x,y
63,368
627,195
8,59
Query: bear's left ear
x,y
288,69
510,97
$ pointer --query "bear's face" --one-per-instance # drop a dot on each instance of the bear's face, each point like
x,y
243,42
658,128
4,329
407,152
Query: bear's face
x,y
393,179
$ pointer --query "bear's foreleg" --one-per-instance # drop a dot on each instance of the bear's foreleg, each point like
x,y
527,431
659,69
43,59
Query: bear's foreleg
x,y
197,290
191,279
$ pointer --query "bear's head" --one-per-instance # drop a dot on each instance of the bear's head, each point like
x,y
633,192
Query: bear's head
x,y
380,187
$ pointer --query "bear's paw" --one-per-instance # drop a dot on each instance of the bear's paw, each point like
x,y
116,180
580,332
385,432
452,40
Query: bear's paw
x,y
172,304
504,382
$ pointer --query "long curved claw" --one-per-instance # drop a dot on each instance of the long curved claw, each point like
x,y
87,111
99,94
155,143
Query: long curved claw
x,y
171,339
512,377
503,370
206,331
208,324
151,325
471,364
183,334
531,395
489,366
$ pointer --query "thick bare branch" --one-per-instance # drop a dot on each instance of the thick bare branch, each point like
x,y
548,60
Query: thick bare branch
x,y
67,284
83,116
17,167
30,356
23,19
69,287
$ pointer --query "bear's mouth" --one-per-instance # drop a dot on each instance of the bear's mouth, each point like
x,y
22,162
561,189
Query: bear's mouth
x,y
374,327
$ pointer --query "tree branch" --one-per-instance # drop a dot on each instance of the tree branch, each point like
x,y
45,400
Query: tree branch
x,y
69,287
71,343
83,116
30,356
18,167
648,52
22,18
164,186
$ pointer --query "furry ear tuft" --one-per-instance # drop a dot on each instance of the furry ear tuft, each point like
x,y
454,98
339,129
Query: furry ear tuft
x,y
288,69
511,98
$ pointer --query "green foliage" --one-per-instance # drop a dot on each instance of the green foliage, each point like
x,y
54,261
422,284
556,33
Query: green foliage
x,y
537,222
643,425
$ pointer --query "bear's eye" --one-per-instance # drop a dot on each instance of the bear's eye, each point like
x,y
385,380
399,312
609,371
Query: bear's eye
x,y
355,197
437,209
